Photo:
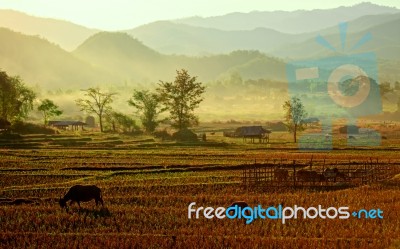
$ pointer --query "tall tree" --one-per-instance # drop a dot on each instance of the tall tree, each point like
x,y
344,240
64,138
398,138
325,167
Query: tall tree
x,y
181,98
96,102
397,86
16,100
398,104
48,109
149,107
294,115
120,122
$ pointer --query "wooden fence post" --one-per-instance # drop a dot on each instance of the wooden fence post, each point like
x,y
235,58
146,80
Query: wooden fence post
x,y
294,173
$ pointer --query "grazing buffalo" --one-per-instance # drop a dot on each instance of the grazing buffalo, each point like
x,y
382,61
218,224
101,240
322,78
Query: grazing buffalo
x,y
82,193
241,204
309,176
281,175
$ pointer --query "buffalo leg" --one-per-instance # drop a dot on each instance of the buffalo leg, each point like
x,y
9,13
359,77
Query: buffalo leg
x,y
99,200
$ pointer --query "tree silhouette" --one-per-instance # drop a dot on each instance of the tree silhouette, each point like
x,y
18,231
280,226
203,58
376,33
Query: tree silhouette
x,y
148,105
16,100
96,102
181,98
294,115
48,109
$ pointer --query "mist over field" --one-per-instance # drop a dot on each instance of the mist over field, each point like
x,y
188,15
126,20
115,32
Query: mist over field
x,y
242,63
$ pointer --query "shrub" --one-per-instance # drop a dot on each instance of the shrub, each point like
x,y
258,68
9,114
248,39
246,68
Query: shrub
x,y
185,135
164,135
276,126
29,128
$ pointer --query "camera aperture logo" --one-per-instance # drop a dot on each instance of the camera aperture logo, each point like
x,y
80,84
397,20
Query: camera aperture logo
x,y
249,214
343,86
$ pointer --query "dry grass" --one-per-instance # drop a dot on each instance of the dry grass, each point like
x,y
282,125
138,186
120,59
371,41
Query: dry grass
x,y
146,200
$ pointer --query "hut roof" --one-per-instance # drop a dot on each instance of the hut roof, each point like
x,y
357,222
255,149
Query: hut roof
x,y
66,123
251,131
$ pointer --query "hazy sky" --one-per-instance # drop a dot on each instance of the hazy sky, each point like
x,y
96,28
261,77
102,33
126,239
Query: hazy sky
x,y
126,14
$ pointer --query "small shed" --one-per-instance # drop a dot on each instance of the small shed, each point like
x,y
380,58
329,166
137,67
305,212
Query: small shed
x,y
68,125
253,132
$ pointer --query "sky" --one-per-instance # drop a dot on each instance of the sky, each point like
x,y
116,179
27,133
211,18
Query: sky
x,y
125,14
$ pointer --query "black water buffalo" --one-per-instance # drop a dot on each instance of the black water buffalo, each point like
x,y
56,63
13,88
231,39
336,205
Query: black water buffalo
x,y
82,193
241,204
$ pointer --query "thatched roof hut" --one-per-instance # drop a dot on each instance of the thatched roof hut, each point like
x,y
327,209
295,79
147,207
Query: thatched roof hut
x,y
75,125
249,131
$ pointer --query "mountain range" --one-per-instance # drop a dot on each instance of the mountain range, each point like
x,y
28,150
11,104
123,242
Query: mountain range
x,y
57,54
174,38
115,58
292,22
42,63
66,34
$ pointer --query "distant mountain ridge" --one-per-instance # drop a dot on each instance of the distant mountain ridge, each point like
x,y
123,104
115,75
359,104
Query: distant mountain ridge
x,y
119,53
129,58
260,30
153,52
66,34
173,38
384,42
40,62
117,58
295,22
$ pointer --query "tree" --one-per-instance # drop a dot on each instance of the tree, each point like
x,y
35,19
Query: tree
x,y
397,92
398,104
294,115
16,100
121,122
397,86
48,109
96,102
148,105
181,98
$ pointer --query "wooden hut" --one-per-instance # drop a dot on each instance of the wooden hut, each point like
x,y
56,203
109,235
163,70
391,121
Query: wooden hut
x,y
68,125
253,132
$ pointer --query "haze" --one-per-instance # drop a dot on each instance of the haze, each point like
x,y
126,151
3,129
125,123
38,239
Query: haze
x,y
240,57
126,14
